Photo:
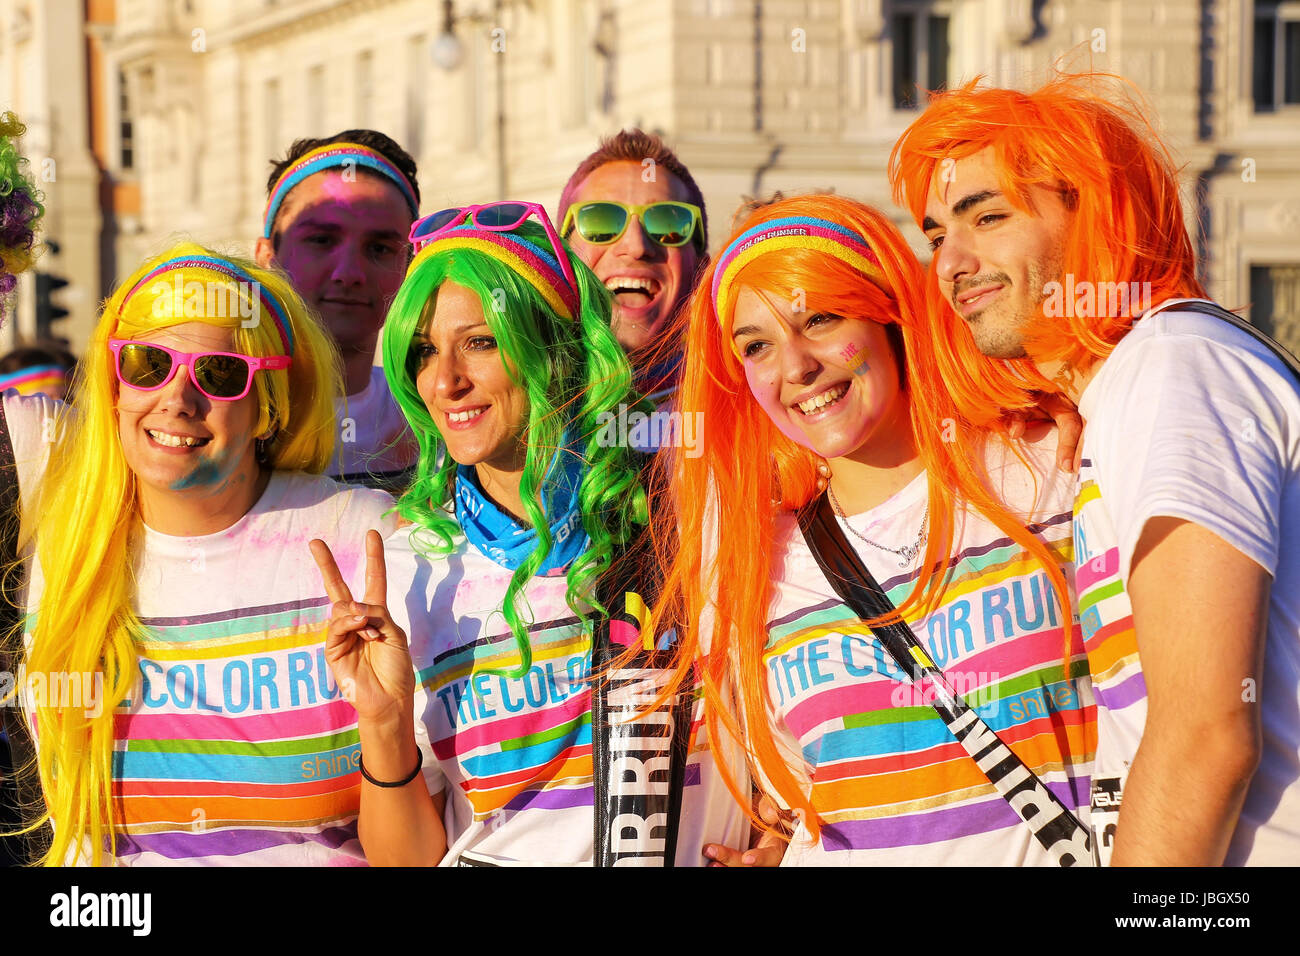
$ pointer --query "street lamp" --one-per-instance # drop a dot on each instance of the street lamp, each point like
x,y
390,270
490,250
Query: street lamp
x,y
447,52
447,49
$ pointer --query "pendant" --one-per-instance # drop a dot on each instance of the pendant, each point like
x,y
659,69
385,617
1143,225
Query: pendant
x,y
908,553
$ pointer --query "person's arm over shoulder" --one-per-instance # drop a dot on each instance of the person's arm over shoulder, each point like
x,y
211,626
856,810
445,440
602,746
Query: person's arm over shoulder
x,y
1193,451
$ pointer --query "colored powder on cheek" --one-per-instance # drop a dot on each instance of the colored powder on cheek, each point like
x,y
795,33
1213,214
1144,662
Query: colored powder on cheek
x,y
208,471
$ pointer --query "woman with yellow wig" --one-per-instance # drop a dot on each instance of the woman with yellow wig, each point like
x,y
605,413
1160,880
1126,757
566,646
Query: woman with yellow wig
x,y
174,671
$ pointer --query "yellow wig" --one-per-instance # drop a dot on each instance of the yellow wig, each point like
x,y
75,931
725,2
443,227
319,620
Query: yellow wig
x,y
86,517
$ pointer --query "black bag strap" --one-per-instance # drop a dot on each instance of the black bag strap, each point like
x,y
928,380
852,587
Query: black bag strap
x,y
1051,822
1205,307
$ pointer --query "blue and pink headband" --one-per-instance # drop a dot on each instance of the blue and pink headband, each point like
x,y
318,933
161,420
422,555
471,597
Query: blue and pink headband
x,y
332,156
263,297
792,232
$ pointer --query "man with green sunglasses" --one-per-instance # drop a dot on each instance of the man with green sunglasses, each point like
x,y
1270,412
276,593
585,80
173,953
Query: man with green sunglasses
x,y
633,213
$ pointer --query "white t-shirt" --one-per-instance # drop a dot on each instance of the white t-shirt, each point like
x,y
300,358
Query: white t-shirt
x,y
235,746
514,754
1191,418
373,438
888,778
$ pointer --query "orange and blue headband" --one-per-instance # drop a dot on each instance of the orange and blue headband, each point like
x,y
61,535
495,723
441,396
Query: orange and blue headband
x,y
332,156
263,297
792,232
536,265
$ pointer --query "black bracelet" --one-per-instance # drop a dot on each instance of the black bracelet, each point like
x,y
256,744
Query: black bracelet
x,y
419,762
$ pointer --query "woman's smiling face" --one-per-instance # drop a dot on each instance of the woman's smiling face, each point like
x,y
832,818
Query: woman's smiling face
x,y
179,441
828,382
480,412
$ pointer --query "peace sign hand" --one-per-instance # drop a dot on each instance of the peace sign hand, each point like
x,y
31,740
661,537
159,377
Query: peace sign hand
x,y
366,651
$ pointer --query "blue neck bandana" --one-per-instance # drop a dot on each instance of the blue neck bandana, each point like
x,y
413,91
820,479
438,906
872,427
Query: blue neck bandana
x,y
500,538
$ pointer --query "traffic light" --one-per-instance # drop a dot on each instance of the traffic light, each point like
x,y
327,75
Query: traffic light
x,y
47,311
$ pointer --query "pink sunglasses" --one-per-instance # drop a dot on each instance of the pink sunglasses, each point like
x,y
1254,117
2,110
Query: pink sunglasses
x,y
222,376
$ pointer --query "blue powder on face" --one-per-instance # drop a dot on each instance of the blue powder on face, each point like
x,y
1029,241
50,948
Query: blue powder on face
x,y
207,473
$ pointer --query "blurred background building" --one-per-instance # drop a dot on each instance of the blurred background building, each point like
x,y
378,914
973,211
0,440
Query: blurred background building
x,y
153,118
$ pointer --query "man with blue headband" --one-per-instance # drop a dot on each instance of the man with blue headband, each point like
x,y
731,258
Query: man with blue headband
x,y
337,216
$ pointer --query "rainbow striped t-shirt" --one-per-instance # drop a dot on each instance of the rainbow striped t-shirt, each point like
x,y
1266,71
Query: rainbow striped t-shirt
x,y
514,754
235,746
890,782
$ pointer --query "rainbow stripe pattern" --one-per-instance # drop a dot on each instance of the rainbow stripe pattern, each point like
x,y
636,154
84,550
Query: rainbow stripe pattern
x,y
791,232
36,380
539,267
238,747
334,156
514,743
887,777
1105,613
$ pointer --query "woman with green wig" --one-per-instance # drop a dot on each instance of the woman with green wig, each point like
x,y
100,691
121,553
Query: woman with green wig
x,y
498,349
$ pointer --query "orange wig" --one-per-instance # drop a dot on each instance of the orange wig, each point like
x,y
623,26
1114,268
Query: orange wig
x,y
716,525
1110,165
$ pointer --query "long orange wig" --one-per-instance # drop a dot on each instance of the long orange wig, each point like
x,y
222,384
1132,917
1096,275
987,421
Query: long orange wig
x,y
1111,165
715,522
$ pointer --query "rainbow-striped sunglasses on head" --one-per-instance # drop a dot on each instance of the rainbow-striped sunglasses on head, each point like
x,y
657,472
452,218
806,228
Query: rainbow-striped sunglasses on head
x,y
505,217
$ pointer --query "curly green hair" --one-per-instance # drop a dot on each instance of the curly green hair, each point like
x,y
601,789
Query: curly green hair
x,y
571,370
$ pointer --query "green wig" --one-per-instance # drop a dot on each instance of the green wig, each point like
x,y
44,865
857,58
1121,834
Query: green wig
x,y
572,371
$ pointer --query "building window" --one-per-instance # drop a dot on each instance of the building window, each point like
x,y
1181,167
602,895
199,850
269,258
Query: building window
x,y
417,91
316,101
918,34
365,87
1275,302
125,130
271,104
1276,65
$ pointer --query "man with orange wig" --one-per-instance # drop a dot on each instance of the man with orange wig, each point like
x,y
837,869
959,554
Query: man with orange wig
x,y
1060,246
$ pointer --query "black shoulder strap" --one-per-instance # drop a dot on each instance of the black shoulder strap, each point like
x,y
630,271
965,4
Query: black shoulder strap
x,y
1050,821
1211,308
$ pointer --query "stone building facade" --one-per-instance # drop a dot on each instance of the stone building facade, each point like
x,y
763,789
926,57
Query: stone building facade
x,y
185,101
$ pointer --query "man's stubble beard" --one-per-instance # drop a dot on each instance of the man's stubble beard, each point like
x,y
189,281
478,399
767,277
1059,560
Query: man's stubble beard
x,y
1006,340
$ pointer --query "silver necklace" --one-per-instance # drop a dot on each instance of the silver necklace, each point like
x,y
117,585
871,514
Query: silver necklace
x,y
907,552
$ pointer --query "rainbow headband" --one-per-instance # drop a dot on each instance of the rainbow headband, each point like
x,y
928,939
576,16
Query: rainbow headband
x,y
540,268
35,379
792,232
332,156
263,297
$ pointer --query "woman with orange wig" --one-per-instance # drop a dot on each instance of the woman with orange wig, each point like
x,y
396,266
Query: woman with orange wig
x,y
808,350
